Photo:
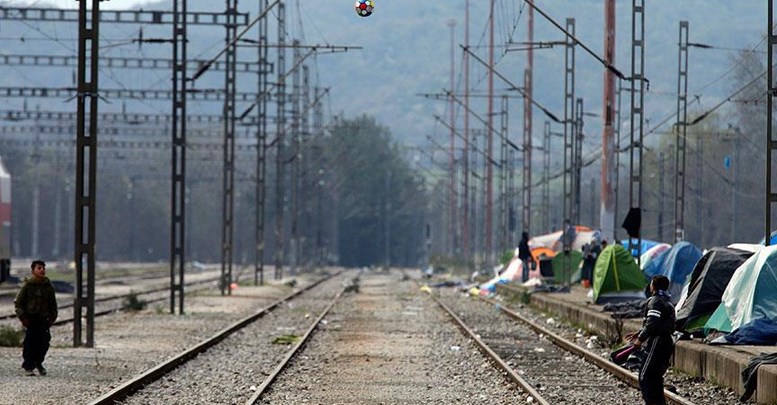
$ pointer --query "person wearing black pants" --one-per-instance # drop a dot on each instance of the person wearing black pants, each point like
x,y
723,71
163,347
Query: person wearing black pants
x,y
656,337
36,308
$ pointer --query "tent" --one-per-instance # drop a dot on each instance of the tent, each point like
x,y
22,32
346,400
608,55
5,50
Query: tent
x,y
617,276
676,264
645,245
708,280
512,272
652,253
540,255
552,241
576,257
750,295
772,239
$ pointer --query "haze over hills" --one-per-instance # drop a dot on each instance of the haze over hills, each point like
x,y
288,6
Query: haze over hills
x,y
406,51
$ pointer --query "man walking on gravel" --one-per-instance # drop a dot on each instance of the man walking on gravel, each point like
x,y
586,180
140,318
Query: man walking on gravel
x,y
36,308
656,336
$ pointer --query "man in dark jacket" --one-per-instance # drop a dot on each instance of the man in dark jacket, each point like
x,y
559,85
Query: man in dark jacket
x,y
36,308
656,336
524,254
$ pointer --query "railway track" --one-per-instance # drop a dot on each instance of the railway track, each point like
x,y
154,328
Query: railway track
x,y
228,367
108,304
547,366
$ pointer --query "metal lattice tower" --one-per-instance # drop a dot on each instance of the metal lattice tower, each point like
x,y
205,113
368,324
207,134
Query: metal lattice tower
x,y
261,139
578,159
178,159
681,129
527,149
228,200
771,145
637,112
569,144
503,168
86,168
280,141
546,178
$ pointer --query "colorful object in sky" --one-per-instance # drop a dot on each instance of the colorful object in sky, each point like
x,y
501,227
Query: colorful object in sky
x,y
364,7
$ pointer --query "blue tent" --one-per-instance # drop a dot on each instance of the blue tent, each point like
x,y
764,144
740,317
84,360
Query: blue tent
x,y
676,264
772,239
644,246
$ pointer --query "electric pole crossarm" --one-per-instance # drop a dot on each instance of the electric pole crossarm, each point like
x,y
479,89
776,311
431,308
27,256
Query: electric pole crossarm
x,y
481,119
474,147
143,94
116,62
513,86
119,16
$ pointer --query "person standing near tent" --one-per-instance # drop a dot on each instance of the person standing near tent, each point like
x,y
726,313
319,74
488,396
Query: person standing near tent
x,y
524,254
656,336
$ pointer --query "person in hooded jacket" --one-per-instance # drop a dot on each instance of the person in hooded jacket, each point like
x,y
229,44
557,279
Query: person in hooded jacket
x,y
656,338
524,254
36,308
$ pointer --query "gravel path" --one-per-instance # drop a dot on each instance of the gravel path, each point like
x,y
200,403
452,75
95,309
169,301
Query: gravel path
x,y
229,372
390,344
127,344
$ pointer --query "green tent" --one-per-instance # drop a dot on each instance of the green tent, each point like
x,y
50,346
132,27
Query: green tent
x,y
617,276
575,258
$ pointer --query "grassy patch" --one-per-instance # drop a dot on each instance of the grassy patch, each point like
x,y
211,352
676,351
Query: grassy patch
x,y
10,336
133,303
285,340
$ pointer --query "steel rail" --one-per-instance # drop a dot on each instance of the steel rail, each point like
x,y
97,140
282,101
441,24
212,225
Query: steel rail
x,y
619,372
116,297
157,372
490,353
291,353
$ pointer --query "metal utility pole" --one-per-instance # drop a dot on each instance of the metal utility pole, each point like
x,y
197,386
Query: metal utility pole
x,y
86,168
637,112
488,251
771,146
661,171
305,135
261,141
280,141
228,199
569,142
607,212
617,155
178,158
503,167
578,159
681,128
546,178
295,147
528,84
465,195
387,222
451,153
36,191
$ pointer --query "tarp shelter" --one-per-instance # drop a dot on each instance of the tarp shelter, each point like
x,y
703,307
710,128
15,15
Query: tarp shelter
x,y
644,246
750,294
512,272
709,279
542,257
559,273
652,253
676,264
617,277
583,235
